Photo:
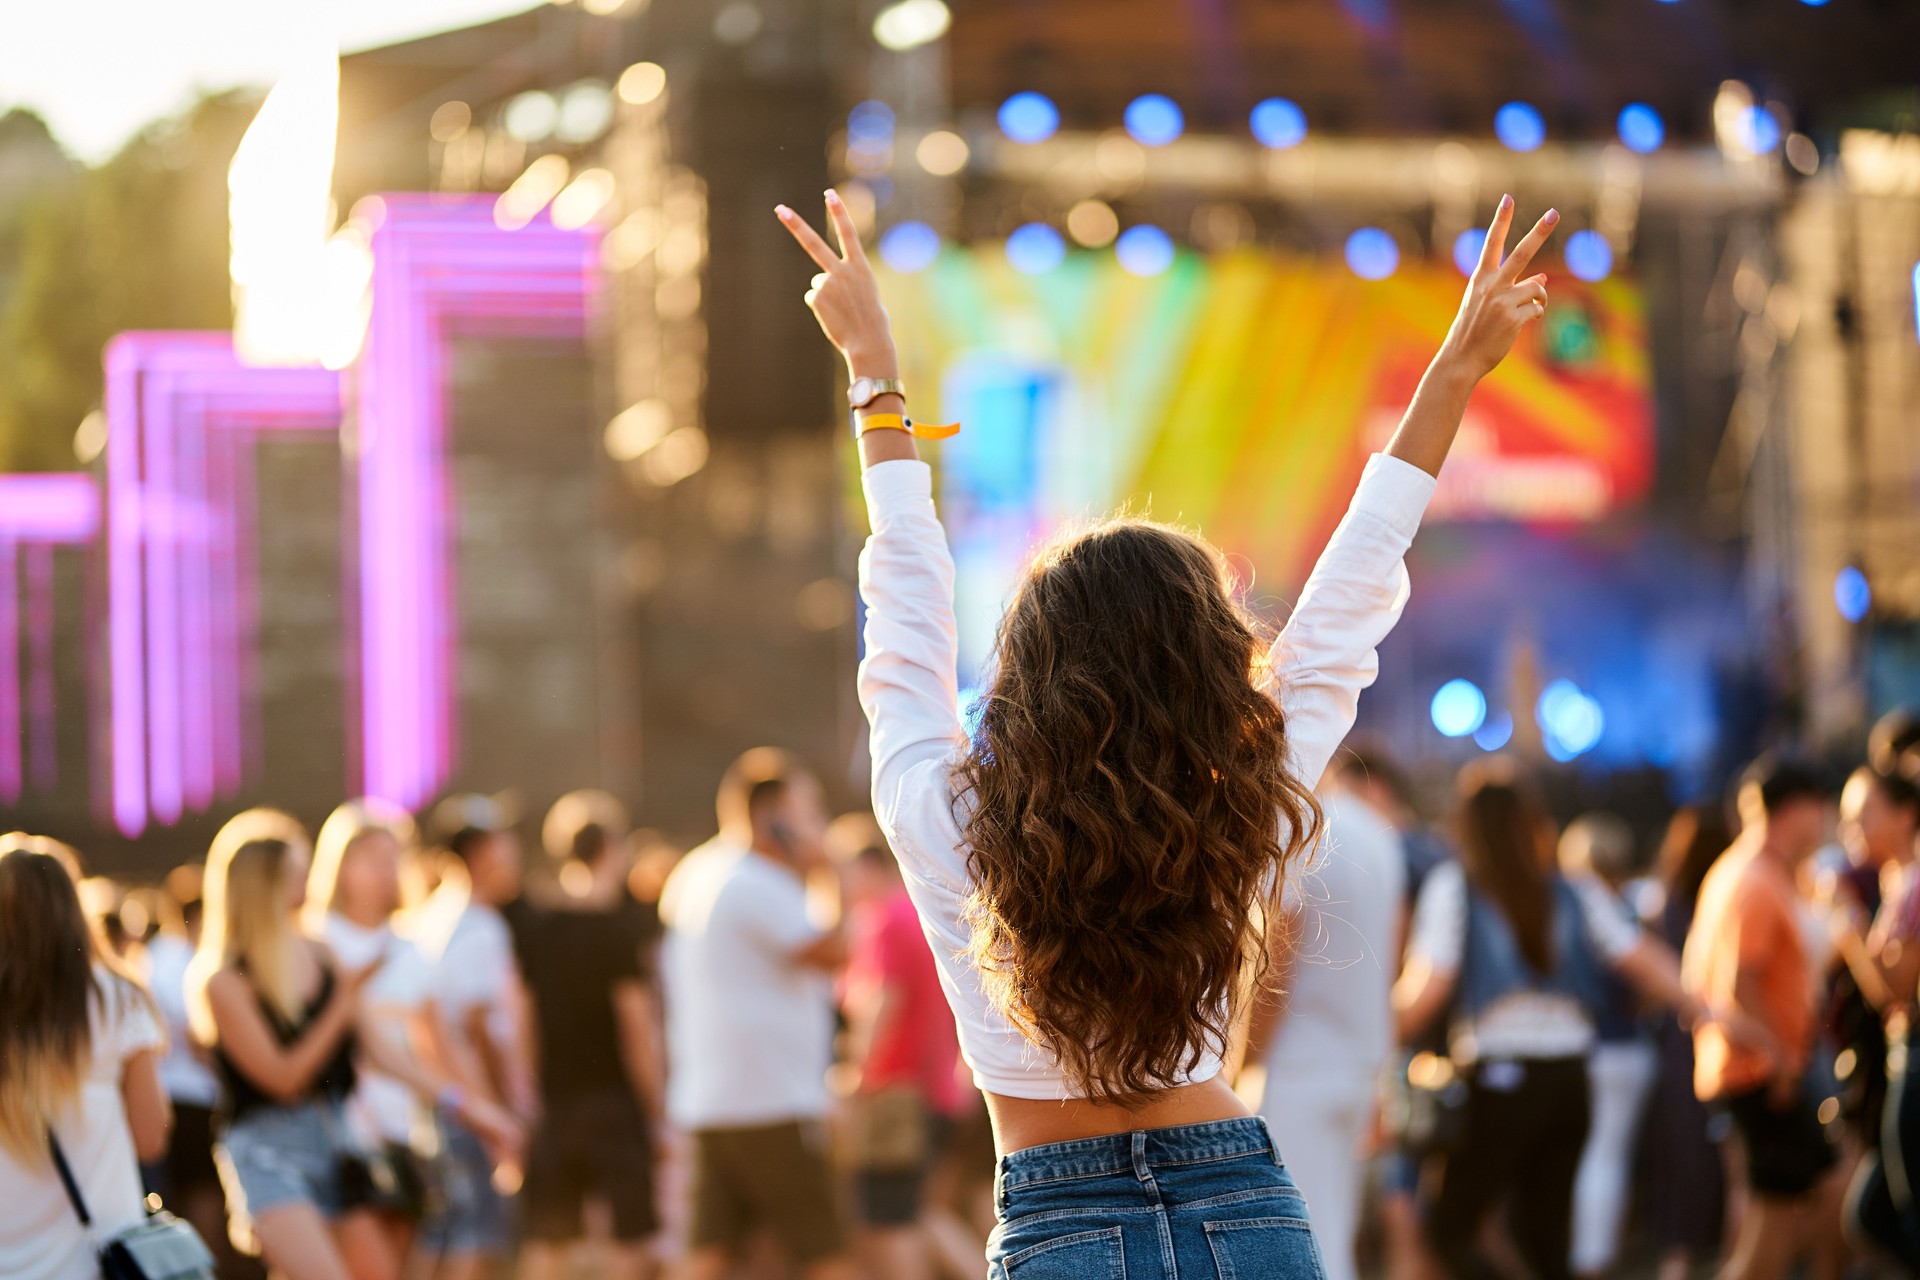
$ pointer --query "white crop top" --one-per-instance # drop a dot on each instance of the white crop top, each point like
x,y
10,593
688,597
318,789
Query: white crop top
x,y
909,689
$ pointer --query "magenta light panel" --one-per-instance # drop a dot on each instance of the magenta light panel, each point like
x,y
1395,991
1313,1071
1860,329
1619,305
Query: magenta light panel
x,y
37,513
441,269
181,409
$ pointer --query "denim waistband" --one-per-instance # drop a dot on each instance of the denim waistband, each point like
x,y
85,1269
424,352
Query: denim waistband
x,y
1142,1148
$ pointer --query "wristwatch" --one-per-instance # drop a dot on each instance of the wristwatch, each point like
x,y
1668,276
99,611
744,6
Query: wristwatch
x,y
864,391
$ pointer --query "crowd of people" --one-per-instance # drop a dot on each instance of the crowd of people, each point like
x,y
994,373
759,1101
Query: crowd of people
x,y
1226,1004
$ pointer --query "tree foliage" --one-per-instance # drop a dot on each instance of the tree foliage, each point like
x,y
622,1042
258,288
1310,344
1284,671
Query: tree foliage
x,y
139,242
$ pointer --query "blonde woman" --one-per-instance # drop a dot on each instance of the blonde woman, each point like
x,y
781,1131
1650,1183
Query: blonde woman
x,y
282,1018
353,892
79,1057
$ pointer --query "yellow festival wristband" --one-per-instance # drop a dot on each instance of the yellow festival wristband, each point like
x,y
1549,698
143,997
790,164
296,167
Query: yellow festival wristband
x,y
898,422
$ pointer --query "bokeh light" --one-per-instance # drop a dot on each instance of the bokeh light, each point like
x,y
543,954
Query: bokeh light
x,y
1588,255
942,153
1144,250
1759,131
1519,127
1852,593
1154,119
1571,721
1496,733
908,247
1029,117
1278,123
1458,708
1093,223
911,23
1372,254
1035,249
1466,249
870,130
1641,128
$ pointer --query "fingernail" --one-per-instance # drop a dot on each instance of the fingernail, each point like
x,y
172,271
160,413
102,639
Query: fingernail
x,y
781,211
833,196
1506,202
1553,216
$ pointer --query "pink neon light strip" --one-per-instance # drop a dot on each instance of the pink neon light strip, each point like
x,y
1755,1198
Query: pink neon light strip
x,y
9,675
439,265
49,507
43,748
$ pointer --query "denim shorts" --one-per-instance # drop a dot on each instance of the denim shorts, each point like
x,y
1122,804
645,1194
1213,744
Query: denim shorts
x,y
1195,1201
471,1216
274,1156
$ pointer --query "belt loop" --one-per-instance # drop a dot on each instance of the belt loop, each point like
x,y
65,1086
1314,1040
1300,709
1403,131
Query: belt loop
x,y
1273,1144
1000,1188
1140,1169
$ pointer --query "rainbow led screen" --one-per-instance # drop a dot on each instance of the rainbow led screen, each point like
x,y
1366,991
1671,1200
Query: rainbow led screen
x,y
1242,393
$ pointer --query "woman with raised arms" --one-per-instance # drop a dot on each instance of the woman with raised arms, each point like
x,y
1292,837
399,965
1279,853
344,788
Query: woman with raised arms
x,y
1092,866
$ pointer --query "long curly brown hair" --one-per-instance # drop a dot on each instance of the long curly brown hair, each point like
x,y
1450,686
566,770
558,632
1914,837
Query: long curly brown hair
x,y
1132,812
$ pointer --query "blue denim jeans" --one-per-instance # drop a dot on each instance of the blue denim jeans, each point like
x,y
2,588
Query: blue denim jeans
x,y
1194,1202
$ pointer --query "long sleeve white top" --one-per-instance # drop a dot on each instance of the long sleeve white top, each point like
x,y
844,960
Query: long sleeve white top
x,y
909,689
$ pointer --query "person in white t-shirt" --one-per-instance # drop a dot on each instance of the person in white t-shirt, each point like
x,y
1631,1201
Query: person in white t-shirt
x,y
353,891
1327,1030
750,1021
479,1011
79,1058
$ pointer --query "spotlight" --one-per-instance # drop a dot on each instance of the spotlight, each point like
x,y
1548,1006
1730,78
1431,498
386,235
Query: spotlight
x,y
1279,123
1154,119
1588,256
1571,721
1458,708
1852,594
1144,250
1372,254
1519,127
909,247
1496,733
1029,117
1641,128
1759,130
1466,249
1035,249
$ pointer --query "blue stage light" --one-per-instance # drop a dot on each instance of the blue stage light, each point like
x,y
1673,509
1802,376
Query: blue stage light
x,y
1813,4
1571,722
1641,128
1519,127
1496,733
1759,130
1588,255
1029,117
1372,254
1154,119
1466,249
870,127
1278,123
908,247
1144,250
1852,593
1458,708
1035,249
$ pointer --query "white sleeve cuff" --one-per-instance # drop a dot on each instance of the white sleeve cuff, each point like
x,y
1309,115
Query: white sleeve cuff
x,y
897,486
1394,491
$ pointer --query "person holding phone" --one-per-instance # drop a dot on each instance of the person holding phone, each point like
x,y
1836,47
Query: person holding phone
x,y
750,1021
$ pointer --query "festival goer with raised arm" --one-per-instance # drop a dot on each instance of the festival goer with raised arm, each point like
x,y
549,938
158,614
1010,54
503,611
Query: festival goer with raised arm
x,y
283,1020
79,1065
1091,866
1513,952
353,892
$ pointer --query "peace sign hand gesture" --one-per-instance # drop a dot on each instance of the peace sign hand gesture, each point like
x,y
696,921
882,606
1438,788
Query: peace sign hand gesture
x,y
1498,303
845,298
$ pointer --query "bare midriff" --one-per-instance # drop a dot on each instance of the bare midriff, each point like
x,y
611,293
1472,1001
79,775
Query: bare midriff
x,y
1019,1123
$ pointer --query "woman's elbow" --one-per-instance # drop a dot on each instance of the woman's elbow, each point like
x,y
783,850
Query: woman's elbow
x,y
152,1132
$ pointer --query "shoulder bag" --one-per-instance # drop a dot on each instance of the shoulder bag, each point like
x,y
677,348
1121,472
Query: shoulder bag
x,y
161,1248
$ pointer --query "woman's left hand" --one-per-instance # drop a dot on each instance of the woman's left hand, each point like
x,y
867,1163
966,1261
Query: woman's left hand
x,y
845,298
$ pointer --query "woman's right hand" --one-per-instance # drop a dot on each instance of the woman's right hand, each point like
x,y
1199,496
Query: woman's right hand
x,y
497,1128
1498,303
845,297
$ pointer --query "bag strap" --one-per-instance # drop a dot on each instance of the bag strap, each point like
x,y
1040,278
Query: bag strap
x,y
66,1180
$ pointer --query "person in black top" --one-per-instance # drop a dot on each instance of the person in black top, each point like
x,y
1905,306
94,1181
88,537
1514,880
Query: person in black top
x,y
587,967
281,1020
